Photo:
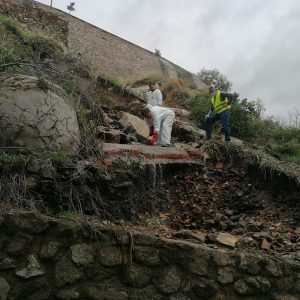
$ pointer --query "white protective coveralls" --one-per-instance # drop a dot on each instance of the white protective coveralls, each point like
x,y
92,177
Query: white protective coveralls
x,y
155,97
162,119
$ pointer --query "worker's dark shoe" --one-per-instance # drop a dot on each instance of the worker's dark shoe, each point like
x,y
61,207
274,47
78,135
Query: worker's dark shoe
x,y
166,145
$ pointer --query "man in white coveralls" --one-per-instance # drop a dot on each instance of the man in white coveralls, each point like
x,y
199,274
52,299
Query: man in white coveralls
x,y
160,121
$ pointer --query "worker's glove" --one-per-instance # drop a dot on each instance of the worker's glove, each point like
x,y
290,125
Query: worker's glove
x,y
151,131
154,139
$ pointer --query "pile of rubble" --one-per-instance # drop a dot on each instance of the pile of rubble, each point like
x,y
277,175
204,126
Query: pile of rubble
x,y
207,203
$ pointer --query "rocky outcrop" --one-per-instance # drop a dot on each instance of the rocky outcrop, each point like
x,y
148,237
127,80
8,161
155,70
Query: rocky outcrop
x,y
35,113
135,126
79,261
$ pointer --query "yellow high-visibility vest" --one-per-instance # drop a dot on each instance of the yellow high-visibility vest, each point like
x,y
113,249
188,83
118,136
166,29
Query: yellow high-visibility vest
x,y
217,104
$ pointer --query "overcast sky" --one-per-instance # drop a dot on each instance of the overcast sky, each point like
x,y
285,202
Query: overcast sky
x,y
255,43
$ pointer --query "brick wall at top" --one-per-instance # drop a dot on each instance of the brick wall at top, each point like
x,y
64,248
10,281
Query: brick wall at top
x,y
109,54
103,51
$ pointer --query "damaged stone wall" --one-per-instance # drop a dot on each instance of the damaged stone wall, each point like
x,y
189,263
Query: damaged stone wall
x,y
47,258
103,51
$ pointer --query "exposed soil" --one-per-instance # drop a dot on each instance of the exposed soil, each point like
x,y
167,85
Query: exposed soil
x,y
262,213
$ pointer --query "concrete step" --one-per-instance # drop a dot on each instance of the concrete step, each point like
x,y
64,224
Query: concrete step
x,y
150,152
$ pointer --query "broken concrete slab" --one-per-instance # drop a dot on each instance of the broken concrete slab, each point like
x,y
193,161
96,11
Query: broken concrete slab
x,y
152,152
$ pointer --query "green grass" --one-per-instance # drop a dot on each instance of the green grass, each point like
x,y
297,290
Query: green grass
x,y
61,158
69,87
111,81
10,160
20,44
13,27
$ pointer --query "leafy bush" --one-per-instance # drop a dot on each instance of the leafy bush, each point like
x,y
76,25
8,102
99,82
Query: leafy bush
x,y
6,56
199,105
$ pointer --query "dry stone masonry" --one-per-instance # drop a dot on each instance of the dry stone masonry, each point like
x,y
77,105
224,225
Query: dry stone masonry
x,y
47,258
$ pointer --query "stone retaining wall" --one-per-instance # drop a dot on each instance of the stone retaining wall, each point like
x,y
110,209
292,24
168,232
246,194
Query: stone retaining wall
x,y
103,51
44,258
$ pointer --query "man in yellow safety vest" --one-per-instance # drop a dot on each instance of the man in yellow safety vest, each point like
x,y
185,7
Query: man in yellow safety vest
x,y
219,110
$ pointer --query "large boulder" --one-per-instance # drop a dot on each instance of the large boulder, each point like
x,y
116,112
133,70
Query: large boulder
x,y
185,131
34,114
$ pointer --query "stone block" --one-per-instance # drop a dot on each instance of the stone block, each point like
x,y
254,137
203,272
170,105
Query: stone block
x,y
169,281
29,222
137,276
226,276
199,264
147,255
82,254
6,263
205,288
66,272
68,294
259,284
105,293
49,250
33,269
241,288
4,288
108,135
110,256
18,246
273,268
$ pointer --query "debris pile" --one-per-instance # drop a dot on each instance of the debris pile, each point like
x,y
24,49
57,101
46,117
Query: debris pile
x,y
207,202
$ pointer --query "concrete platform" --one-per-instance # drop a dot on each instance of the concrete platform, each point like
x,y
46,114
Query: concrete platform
x,y
150,152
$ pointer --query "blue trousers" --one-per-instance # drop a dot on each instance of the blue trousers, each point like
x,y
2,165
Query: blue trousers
x,y
224,118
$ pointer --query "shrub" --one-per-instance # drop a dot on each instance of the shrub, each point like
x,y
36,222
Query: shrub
x,y
6,56
199,106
